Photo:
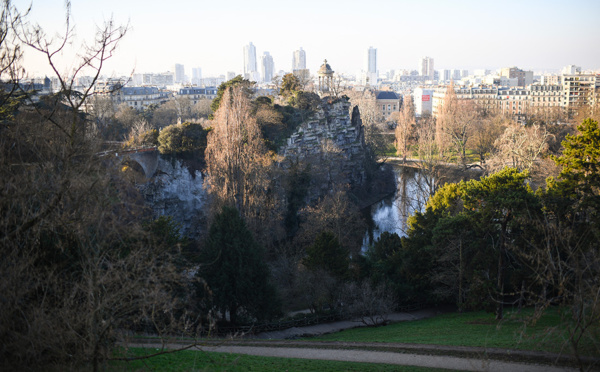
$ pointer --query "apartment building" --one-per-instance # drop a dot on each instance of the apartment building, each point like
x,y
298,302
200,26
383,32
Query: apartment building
x,y
135,97
423,99
195,94
570,93
580,90
542,95
389,102
524,78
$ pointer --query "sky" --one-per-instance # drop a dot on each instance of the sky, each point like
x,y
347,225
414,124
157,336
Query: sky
x,y
458,34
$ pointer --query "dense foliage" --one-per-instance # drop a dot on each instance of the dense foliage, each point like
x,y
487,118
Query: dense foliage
x,y
233,265
183,139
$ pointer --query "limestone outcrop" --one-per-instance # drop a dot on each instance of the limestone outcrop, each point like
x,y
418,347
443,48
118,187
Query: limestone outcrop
x,y
333,142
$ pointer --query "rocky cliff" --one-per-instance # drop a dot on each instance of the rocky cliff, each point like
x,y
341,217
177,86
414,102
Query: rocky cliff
x,y
333,142
175,191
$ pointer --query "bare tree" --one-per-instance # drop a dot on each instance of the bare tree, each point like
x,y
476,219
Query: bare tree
x,y
102,112
546,115
566,264
371,117
78,268
240,170
338,85
432,161
520,147
454,123
336,213
367,104
485,132
405,127
202,109
168,113
369,305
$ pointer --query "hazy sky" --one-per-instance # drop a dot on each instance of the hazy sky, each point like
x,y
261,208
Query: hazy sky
x,y
539,35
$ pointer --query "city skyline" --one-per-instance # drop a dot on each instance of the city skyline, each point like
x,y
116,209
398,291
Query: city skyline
x,y
458,35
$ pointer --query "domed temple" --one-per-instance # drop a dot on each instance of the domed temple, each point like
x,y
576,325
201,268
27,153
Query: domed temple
x,y
325,78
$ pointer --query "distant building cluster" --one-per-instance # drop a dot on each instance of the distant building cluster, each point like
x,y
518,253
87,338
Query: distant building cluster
x,y
569,92
511,90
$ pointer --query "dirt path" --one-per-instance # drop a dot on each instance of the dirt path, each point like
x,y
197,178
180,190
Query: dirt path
x,y
371,356
278,344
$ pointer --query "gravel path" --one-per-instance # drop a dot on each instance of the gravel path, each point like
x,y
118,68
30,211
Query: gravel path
x,y
432,361
369,356
319,329
278,344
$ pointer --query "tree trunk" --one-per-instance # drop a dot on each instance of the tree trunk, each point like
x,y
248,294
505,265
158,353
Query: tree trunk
x,y
500,283
460,277
233,313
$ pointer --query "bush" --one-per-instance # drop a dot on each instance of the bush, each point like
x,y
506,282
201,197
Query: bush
x,y
183,138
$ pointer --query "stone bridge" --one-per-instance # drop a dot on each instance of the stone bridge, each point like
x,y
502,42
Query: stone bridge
x,y
146,157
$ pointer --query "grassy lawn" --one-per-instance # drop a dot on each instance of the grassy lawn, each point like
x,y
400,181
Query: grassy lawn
x,y
202,361
473,329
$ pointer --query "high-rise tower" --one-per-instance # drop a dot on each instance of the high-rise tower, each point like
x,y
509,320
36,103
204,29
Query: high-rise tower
x,y
196,75
426,68
266,67
370,75
299,60
372,60
250,65
179,73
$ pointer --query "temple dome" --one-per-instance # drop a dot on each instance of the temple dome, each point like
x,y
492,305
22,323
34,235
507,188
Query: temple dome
x,y
325,69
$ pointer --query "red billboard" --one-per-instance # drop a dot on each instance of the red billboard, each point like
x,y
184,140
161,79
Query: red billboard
x,y
426,97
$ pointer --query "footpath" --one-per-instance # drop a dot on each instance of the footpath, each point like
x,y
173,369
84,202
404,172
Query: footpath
x,y
285,344
321,329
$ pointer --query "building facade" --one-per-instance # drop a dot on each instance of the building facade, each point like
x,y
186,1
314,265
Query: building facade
x,y
524,78
160,80
195,94
138,98
388,102
423,100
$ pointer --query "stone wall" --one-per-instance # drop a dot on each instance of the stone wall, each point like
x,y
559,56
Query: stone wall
x,y
333,143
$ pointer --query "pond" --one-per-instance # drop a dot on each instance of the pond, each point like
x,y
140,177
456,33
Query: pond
x,y
391,213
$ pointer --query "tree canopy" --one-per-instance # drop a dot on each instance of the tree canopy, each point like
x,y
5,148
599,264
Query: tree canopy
x,y
234,268
236,81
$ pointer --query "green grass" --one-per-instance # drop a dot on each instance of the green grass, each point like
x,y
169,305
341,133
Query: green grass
x,y
390,150
473,329
202,361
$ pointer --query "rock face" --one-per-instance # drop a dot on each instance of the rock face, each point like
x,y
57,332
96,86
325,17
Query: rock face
x,y
174,191
333,143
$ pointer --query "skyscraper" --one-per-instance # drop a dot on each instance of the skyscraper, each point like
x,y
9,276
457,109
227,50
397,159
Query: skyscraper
x,y
426,68
179,74
299,60
372,60
371,75
196,75
267,67
250,65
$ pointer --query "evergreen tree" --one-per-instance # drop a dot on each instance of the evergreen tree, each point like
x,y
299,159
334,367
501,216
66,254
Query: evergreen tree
x,y
579,179
233,266
327,253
